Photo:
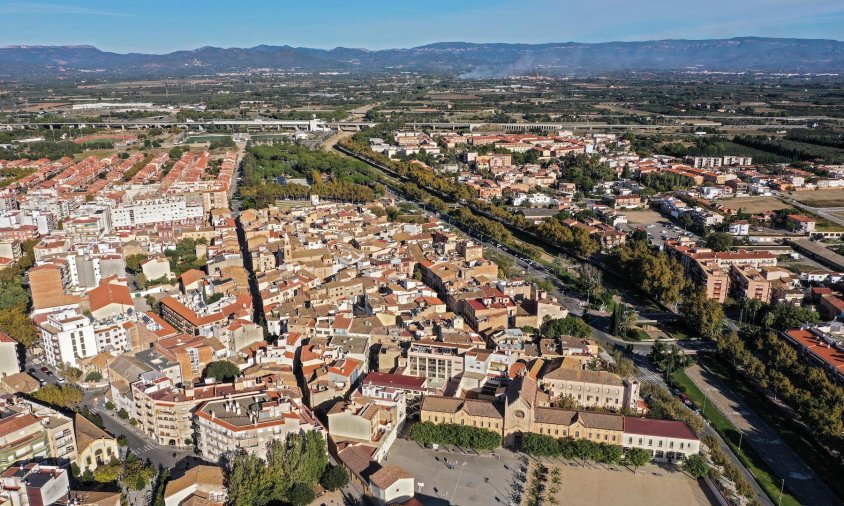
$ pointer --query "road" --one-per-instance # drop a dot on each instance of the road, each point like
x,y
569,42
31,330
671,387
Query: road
x,y
800,479
142,446
823,212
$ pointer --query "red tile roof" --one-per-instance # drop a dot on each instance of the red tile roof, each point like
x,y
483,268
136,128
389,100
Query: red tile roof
x,y
658,428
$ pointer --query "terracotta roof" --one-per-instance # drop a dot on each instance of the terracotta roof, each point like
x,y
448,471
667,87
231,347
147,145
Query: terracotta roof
x,y
110,293
386,476
87,432
395,380
199,475
659,428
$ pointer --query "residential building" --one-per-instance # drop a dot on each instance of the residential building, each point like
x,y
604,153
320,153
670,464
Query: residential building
x,y
249,423
29,431
202,484
67,336
9,356
34,484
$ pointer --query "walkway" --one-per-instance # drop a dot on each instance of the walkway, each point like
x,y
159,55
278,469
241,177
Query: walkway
x,y
800,480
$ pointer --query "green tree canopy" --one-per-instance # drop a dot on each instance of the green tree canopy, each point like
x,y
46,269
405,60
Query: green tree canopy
x,y
568,326
696,466
221,370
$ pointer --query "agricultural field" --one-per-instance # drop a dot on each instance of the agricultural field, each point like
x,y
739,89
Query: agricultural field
x,y
821,198
755,205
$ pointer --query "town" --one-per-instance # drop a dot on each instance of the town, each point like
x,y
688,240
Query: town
x,y
294,287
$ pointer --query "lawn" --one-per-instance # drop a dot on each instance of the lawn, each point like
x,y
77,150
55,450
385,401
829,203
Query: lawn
x,y
678,331
794,434
764,476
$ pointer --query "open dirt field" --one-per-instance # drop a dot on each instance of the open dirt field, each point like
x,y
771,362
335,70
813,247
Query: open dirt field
x,y
643,217
651,485
755,204
821,198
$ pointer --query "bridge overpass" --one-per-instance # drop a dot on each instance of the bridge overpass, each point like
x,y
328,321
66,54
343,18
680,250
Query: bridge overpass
x,y
225,124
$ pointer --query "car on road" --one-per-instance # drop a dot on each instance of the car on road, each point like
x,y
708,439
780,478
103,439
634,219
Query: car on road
x,y
49,372
42,382
62,381
45,370
31,370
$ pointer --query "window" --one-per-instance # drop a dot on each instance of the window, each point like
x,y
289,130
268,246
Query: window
x,y
650,442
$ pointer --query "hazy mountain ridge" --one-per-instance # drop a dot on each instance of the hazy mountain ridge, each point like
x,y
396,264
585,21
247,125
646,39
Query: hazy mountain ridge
x,y
750,54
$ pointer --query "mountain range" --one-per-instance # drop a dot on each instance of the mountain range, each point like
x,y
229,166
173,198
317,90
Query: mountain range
x,y
470,60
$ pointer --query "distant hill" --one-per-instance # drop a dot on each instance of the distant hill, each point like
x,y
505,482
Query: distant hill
x,y
750,54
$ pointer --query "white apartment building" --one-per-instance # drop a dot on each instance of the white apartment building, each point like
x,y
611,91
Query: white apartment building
x,y
67,335
155,211
534,199
249,423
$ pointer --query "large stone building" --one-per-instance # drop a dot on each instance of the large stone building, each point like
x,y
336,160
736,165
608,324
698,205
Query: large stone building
x,y
591,389
525,410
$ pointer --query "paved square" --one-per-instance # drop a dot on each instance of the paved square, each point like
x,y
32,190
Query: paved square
x,y
446,480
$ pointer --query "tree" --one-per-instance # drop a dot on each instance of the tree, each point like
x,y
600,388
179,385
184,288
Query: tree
x,y
582,243
461,435
69,372
245,475
782,316
123,414
704,315
623,320
622,365
133,262
15,322
540,445
107,473
568,326
334,478
637,457
610,454
65,396
300,459
94,376
590,279
301,494
719,241
136,474
696,466
221,370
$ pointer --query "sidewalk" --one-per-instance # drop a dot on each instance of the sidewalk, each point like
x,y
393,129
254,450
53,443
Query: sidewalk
x,y
800,480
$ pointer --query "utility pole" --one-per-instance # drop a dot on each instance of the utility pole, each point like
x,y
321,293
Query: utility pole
x,y
782,486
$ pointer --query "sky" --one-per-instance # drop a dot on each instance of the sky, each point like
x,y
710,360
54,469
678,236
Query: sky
x,y
156,26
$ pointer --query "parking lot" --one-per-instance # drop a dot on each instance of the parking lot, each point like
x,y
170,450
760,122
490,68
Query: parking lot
x,y
661,231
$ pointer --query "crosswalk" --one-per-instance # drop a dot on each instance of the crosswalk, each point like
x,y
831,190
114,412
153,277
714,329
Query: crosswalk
x,y
145,448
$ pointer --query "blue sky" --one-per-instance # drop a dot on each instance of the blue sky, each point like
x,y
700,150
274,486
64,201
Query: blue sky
x,y
158,26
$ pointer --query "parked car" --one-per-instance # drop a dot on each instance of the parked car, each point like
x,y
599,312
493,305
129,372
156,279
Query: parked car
x,y
45,370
